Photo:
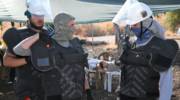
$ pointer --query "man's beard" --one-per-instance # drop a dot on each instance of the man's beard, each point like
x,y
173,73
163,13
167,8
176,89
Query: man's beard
x,y
35,27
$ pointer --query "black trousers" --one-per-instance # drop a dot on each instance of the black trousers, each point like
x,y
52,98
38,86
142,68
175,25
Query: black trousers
x,y
12,74
37,97
31,89
55,97
124,97
58,97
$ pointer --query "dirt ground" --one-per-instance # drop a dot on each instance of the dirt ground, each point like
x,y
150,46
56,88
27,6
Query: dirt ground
x,y
176,95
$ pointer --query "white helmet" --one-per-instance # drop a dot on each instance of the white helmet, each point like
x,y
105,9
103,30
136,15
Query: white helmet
x,y
39,7
137,13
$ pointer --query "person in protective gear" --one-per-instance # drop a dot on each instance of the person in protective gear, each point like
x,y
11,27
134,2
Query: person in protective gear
x,y
64,28
63,85
141,62
28,84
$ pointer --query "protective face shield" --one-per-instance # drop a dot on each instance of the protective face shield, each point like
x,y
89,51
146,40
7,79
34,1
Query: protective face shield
x,y
155,28
142,39
142,32
121,16
133,37
64,27
138,12
147,29
132,12
125,18
139,29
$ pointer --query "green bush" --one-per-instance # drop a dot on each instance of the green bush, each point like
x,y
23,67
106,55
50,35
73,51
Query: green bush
x,y
173,20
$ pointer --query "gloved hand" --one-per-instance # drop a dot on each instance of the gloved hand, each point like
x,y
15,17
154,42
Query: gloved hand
x,y
129,44
28,59
44,37
118,62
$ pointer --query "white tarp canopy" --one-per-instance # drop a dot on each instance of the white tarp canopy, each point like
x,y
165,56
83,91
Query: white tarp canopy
x,y
84,10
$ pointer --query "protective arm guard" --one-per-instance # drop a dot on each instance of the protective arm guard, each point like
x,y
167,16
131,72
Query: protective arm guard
x,y
158,62
19,50
158,54
23,48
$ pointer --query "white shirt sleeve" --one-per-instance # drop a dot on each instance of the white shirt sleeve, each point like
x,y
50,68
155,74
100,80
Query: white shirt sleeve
x,y
166,84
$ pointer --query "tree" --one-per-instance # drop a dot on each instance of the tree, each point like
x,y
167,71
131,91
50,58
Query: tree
x,y
173,20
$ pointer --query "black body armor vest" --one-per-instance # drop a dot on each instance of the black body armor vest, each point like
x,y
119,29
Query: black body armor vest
x,y
62,68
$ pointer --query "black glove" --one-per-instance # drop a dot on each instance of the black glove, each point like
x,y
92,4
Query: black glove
x,y
117,62
28,59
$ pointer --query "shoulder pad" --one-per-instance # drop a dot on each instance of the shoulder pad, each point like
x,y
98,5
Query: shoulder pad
x,y
22,29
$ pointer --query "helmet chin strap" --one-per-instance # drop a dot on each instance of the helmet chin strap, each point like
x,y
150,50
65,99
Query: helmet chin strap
x,y
142,32
141,25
